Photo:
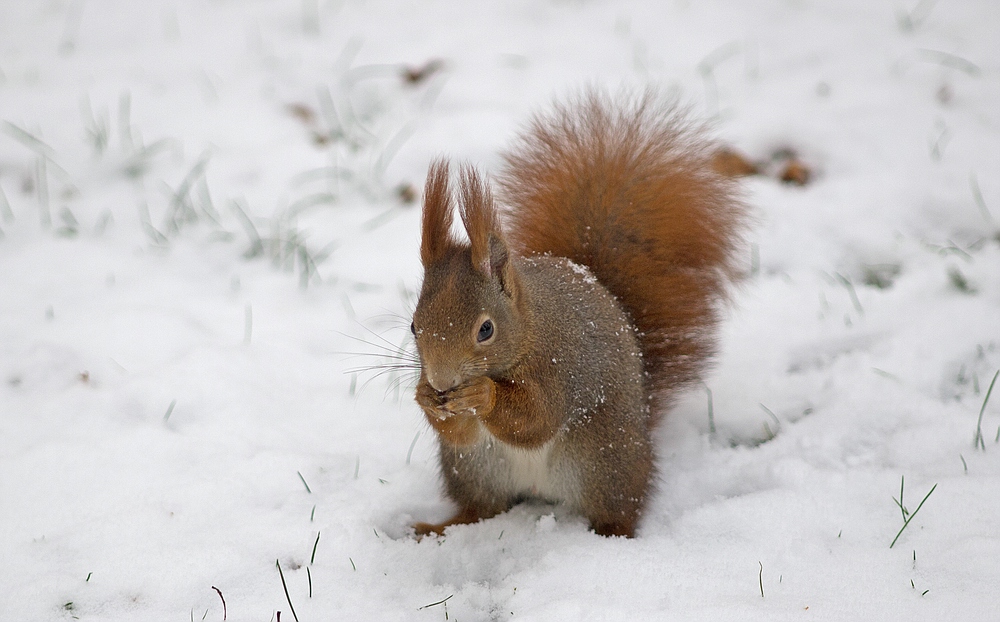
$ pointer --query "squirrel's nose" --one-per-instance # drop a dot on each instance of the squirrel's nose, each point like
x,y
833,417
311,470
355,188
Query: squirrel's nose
x,y
443,379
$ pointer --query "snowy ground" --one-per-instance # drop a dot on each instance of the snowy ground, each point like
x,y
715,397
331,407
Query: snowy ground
x,y
201,215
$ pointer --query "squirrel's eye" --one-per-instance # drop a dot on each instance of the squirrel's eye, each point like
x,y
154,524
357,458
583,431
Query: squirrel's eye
x,y
413,329
485,331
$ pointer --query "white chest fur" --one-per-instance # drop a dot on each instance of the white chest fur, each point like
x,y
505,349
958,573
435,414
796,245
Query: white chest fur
x,y
528,469
542,472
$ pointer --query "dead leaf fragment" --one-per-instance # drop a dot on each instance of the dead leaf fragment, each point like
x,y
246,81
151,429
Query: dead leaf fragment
x,y
416,75
406,192
795,173
730,163
303,113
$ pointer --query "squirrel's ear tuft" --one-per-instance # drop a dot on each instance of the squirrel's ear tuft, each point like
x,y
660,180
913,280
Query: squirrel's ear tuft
x,y
435,237
479,215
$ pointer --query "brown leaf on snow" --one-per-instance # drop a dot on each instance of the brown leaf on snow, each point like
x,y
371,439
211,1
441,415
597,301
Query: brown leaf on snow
x,y
416,75
303,113
731,163
795,173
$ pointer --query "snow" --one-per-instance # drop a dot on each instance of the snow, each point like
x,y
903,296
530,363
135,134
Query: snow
x,y
170,385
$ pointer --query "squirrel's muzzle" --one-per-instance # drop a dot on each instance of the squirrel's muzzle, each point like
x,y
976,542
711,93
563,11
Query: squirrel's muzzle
x,y
443,380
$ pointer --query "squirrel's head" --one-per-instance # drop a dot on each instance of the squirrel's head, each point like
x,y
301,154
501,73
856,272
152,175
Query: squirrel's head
x,y
466,323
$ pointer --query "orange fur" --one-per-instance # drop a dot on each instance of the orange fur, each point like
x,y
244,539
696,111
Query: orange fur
x,y
436,239
630,192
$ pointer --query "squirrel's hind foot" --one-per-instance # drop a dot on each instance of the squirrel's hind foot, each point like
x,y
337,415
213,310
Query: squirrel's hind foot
x,y
613,529
464,517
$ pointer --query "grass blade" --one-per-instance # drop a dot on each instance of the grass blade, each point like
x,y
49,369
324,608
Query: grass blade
x,y
224,612
760,579
440,602
170,410
315,544
912,515
5,212
304,482
977,442
28,139
285,586
977,195
409,453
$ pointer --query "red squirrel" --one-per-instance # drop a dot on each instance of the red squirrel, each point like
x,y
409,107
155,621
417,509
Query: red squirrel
x,y
551,345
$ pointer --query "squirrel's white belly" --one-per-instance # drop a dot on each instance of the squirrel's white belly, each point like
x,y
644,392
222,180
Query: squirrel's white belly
x,y
535,472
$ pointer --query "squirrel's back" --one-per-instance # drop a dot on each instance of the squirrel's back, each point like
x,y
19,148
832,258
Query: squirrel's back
x,y
626,188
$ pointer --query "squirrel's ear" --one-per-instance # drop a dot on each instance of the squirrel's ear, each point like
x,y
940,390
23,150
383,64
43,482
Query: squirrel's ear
x,y
479,215
499,264
435,236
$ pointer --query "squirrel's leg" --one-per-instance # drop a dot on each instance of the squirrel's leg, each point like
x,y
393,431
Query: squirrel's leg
x,y
616,512
455,416
458,430
619,470
471,484
524,414
624,528
464,517
615,496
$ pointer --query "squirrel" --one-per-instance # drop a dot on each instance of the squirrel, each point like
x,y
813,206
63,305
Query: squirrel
x,y
550,347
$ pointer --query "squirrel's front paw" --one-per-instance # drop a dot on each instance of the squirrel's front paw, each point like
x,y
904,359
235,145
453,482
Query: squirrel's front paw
x,y
476,398
431,401
451,413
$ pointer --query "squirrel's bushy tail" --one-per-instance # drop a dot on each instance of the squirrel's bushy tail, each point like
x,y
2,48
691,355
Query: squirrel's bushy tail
x,y
625,187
